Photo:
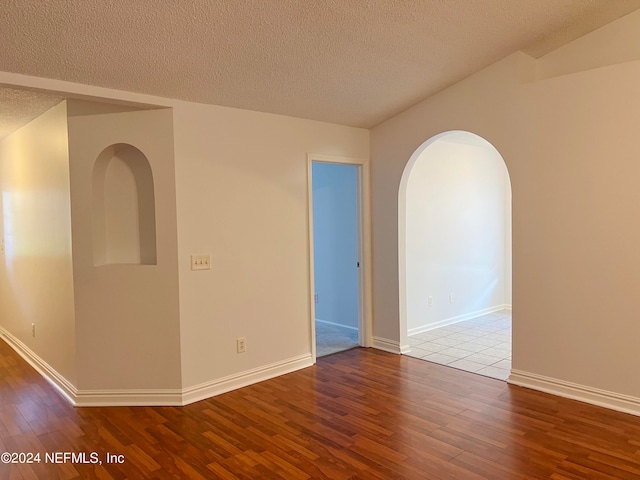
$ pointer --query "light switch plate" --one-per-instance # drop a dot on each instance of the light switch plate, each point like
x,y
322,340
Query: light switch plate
x,y
200,262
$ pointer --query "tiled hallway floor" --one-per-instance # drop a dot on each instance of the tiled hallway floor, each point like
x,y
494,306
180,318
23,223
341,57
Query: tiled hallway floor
x,y
480,345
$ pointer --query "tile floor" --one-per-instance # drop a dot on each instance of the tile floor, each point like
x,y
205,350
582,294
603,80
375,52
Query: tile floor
x,y
480,345
332,338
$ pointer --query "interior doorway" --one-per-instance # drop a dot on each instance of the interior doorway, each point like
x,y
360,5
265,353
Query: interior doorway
x,y
455,254
336,220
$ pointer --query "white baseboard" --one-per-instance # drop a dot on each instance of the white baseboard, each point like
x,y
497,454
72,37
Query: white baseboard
x,y
43,368
233,382
129,398
326,322
185,396
391,346
151,397
459,318
583,393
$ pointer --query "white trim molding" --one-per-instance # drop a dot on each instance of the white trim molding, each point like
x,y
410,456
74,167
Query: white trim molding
x,y
391,346
152,397
242,379
459,318
129,398
582,393
365,322
43,368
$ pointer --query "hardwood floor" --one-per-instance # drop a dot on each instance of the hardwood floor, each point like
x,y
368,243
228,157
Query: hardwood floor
x,y
357,414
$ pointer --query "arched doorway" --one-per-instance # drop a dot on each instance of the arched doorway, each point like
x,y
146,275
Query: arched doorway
x,y
455,254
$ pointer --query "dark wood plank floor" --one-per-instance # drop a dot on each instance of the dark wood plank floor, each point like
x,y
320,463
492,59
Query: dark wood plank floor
x,y
357,414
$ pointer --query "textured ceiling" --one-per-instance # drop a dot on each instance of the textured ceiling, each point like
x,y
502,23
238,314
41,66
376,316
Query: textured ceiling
x,y
19,107
354,62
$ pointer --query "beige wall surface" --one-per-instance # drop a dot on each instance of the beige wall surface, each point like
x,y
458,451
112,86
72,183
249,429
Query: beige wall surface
x,y
485,104
242,197
570,144
36,281
127,315
611,44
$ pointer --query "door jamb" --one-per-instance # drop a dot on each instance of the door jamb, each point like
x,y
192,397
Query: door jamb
x,y
365,324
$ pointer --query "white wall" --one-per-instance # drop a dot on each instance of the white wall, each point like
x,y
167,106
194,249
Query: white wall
x,y
241,188
508,239
335,246
570,144
127,315
36,281
242,197
457,202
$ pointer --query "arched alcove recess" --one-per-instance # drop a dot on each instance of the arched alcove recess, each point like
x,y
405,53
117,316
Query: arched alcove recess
x,y
123,210
454,232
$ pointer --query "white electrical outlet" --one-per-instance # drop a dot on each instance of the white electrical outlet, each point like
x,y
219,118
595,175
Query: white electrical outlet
x,y
241,344
430,301
451,298
200,262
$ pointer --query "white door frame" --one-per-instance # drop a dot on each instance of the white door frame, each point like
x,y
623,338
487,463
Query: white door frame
x,y
364,247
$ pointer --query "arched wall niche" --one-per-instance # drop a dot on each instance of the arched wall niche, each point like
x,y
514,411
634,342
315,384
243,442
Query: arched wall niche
x,y
123,210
